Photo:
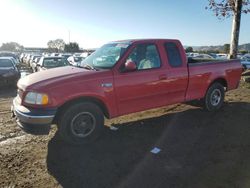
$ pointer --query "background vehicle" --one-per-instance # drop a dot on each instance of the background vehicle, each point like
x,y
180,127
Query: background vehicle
x,y
9,73
8,54
245,61
13,57
55,54
26,58
34,64
15,61
66,55
221,56
203,56
32,59
192,54
21,57
120,78
75,60
51,62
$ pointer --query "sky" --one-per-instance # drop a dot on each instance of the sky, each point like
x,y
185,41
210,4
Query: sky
x,y
91,23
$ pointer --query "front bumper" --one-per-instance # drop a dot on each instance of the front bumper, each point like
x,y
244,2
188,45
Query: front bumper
x,y
33,121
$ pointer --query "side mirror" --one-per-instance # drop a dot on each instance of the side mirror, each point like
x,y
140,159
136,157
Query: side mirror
x,y
130,66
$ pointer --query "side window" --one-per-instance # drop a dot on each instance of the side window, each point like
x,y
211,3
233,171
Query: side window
x,y
145,56
173,53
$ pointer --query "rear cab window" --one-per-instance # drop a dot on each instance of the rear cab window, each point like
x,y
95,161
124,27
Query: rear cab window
x,y
173,54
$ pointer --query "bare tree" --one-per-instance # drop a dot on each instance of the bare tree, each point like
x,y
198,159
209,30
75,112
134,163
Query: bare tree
x,y
71,47
56,45
11,46
227,8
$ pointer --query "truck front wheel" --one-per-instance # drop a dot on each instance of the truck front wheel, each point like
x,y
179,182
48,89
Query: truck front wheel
x,y
214,98
81,123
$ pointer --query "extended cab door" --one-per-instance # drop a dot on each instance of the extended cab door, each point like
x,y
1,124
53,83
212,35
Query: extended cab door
x,y
144,87
177,72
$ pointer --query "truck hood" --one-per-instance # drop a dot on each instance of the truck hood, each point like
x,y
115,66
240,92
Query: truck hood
x,y
44,78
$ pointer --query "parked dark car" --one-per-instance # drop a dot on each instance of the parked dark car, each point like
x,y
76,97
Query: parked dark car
x,y
15,61
245,62
51,62
8,54
9,73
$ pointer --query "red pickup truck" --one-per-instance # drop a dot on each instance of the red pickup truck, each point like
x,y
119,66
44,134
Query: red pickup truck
x,y
119,78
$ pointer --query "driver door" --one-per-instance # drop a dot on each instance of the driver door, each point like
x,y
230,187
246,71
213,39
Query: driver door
x,y
142,88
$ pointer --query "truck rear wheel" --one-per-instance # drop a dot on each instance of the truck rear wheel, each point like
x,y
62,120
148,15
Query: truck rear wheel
x,y
81,123
214,98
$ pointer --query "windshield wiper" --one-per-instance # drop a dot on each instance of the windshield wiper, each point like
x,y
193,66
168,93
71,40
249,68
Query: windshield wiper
x,y
89,67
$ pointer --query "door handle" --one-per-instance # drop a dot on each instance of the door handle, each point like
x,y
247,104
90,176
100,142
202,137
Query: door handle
x,y
163,77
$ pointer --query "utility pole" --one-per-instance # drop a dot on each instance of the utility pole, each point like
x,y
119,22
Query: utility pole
x,y
235,29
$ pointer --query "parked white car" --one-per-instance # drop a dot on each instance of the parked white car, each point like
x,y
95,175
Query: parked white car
x,y
75,60
221,56
192,54
203,56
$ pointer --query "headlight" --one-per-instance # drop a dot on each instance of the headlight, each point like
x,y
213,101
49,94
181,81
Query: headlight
x,y
36,98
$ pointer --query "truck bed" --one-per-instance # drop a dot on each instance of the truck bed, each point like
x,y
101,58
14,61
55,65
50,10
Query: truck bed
x,y
202,72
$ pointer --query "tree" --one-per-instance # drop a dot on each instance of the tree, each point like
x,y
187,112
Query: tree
x,y
56,45
71,47
11,46
189,49
227,8
226,48
243,52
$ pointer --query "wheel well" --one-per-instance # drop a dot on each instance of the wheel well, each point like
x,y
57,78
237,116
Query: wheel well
x,y
78,100
222,81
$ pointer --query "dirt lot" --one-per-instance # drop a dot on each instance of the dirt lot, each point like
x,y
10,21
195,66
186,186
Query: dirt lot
x,y
198,149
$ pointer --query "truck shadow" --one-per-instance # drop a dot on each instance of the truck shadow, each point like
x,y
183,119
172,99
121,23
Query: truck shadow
x,y
198,149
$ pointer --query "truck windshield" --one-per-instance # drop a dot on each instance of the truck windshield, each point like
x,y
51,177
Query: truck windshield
x,y
106,56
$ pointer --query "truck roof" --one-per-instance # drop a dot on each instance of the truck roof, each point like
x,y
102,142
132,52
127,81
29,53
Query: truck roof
x,y
145,40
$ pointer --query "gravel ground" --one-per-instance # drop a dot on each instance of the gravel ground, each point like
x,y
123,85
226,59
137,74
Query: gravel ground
x,y
198,149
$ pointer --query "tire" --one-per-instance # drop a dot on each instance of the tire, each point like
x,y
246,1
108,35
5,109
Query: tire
x,y
81,123
214,98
